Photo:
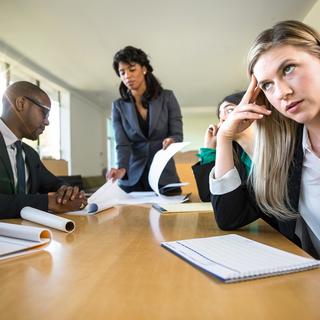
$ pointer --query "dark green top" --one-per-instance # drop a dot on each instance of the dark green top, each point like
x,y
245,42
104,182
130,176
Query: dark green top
x,y
208,155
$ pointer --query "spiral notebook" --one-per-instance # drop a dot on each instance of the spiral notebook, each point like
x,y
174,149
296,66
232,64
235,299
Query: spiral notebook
x,y
234,258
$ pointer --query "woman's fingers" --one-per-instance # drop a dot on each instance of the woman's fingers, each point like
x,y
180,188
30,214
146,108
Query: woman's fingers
x,y
247,98
111,174
251,108
256,93
115,174
166,143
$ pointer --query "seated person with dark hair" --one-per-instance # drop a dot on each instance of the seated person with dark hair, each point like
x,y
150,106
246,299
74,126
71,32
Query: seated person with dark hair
x,y
207,155
24,180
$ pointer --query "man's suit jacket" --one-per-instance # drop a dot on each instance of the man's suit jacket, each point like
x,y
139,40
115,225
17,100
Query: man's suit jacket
x,y
238,208
135,151
41,180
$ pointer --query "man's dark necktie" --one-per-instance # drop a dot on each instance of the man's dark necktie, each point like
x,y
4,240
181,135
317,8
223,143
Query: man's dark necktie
x,y
21,173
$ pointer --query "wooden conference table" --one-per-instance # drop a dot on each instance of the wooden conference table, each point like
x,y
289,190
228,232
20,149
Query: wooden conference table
x,y
113,267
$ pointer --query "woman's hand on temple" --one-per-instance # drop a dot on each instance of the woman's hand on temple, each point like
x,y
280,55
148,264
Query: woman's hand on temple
x,y
244,114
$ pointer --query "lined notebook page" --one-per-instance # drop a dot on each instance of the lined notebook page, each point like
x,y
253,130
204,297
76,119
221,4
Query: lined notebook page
x,y
232,257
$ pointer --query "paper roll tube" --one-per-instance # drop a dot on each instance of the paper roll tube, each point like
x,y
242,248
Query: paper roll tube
x,y
47,219
24,232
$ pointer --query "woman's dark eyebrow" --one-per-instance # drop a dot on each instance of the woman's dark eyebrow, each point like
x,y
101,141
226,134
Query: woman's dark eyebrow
x,y
228,105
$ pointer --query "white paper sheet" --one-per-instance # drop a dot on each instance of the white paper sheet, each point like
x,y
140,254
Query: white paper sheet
x,y
107,196
47,219
106,201
160,160
112,189
18,240
110,194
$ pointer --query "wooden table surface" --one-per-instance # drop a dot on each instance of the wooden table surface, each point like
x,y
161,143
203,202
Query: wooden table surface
x,y
113,267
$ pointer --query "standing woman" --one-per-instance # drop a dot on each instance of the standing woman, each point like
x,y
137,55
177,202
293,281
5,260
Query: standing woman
x,y
145,119
284,184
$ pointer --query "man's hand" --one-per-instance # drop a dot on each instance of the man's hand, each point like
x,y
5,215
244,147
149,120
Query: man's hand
x,y
66,199
66,193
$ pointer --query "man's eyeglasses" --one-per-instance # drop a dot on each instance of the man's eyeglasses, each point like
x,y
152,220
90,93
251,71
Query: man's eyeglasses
x,y
45,109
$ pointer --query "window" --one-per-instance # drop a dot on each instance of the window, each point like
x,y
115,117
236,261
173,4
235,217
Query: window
x,y
111,145
49,143
3,81
50,140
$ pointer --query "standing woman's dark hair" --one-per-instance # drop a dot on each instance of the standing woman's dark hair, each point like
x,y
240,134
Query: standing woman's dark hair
x,y
132,55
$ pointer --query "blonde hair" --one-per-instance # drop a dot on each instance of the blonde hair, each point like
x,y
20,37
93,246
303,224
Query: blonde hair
x,y
276,135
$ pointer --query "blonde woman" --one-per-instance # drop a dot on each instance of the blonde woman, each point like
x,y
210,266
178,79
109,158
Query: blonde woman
x,y
283,100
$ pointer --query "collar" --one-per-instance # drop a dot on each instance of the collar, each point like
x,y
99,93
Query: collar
x,y
8,136
306,146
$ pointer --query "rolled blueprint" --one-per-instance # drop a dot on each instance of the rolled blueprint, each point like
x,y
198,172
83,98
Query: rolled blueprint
x,y
47,219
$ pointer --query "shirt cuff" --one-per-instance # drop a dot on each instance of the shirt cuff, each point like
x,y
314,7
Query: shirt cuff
x,y
227,183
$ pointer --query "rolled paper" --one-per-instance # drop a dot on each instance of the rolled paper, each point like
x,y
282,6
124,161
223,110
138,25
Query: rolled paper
x,y
24,232
17,240
47,219
92,207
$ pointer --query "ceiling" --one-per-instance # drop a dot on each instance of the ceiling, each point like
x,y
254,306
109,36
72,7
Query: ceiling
x,y
197,48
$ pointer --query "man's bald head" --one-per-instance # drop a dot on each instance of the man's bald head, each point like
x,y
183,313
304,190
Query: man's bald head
x,y
19,89
25,109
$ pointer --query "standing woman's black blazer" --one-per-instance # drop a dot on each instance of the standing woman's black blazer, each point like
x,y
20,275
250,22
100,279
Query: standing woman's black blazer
x,y
135,151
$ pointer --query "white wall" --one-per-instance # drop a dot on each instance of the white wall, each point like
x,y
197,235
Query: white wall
x,y
195,122
313,17
85,144
88,137
196,119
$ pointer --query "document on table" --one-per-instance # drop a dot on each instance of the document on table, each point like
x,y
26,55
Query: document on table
x,y
110,194
233,258
184,207
18,240
160,160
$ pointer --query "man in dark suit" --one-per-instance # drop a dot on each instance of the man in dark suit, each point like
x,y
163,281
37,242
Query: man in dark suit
x,y
24,180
